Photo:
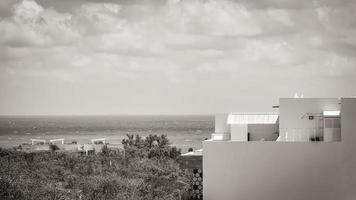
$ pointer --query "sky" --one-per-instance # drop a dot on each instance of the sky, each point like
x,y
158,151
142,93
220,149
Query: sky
x,y
98,57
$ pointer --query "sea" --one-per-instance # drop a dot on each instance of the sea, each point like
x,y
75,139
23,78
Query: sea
x,y
183,131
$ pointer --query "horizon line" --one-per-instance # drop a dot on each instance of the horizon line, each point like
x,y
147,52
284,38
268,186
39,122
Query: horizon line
x,y
88,115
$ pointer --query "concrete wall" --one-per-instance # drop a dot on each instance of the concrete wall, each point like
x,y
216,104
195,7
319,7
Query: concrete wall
x,y
291,111
266,132
239,132
221,125
284,170
348,137
272,171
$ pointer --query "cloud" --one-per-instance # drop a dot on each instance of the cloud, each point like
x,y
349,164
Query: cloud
x,y
195,43
32,25
205,29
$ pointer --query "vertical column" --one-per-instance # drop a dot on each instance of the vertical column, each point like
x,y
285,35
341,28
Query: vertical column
x,y
239,132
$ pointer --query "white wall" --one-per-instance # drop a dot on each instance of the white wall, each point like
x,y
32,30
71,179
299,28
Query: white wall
x,y
272,171
221,125
239,132
284,170
291,111
348,140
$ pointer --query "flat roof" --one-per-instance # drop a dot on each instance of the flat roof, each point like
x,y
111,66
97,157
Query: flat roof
x,y
252,118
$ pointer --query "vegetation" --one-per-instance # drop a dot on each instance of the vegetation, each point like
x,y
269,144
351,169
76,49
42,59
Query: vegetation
x,y
144,169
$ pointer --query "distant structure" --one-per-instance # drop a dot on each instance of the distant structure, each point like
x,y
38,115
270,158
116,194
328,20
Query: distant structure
x,y
37,141
56,140
298,96
96,145
306,150
99,141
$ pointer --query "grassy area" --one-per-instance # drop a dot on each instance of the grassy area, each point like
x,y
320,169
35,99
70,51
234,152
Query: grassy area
x,y
146,169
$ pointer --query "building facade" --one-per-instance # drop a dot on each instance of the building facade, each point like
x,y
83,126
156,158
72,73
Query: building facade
x,y
306,150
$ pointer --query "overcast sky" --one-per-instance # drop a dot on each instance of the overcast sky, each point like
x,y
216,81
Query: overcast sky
x,y
172,57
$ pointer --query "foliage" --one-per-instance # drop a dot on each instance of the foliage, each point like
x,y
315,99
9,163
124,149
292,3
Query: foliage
x,y
153,146
144,169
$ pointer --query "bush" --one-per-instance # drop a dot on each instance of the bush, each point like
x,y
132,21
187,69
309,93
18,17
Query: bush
x,y
153,146
53,147
144,169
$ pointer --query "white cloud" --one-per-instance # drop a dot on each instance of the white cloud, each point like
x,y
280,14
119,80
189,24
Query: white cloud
x,y
27,11
226,45
32,25
183,33
217,18
339,67
281,16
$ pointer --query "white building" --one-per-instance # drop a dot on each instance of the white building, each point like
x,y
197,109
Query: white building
x,y
305,150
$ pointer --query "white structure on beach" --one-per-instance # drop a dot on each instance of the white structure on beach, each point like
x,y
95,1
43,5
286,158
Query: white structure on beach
x,y
306,150
37,141
99,141
57,140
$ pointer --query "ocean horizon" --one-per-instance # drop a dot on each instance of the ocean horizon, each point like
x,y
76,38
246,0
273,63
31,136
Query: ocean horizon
x,y
183,131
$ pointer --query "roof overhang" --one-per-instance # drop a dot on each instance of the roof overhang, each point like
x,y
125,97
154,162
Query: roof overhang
x,y
331,113
252,118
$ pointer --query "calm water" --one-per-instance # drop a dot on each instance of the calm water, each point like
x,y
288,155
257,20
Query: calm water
x,y
183,131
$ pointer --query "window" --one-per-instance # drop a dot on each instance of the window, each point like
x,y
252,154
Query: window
x,y
328,123
336,123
